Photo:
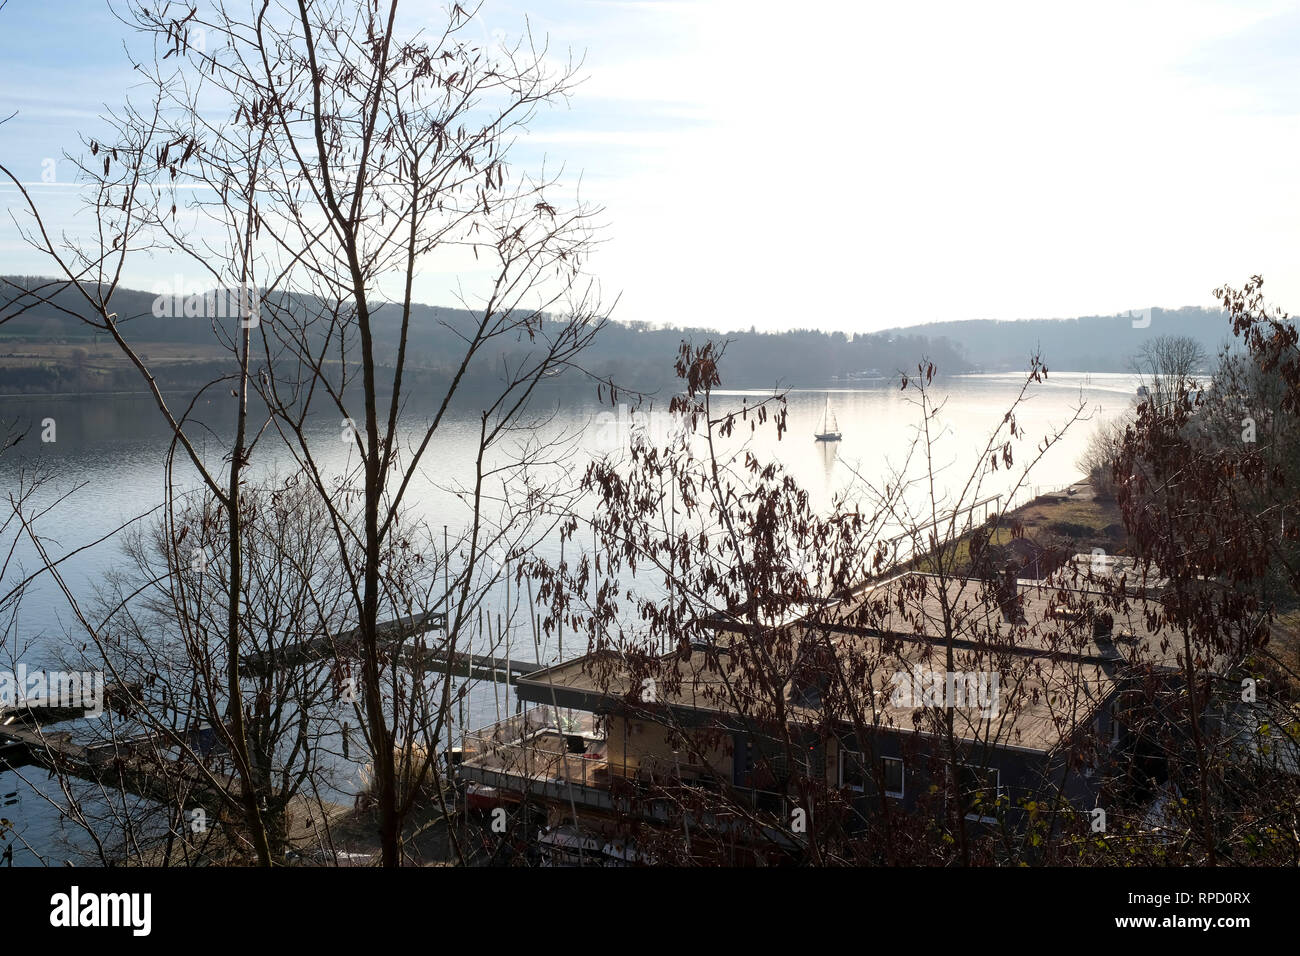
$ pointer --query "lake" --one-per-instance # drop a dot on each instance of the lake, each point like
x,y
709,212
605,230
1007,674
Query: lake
x,y
109,451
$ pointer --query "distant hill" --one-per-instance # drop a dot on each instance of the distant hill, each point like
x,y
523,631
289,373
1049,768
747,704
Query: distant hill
x,y
44,349
1094,343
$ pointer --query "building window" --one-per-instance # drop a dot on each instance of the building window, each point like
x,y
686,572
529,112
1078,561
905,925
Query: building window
x,y
1116,731
979,789
892,772
744,762
852,773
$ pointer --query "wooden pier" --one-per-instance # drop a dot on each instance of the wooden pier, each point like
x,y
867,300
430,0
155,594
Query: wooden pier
x,y
141,765
131,763
390,633
402,638
135,765
37,711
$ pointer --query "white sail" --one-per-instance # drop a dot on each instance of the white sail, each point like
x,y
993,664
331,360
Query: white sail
x,y
830,428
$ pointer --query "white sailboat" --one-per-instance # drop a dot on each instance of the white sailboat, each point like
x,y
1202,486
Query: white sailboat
x,y
830,428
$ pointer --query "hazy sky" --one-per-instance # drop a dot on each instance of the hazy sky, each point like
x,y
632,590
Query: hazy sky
x,y
853,166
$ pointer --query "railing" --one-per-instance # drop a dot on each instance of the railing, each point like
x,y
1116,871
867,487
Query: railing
x,y
534,745
901,545
529,752
968,510
1028,493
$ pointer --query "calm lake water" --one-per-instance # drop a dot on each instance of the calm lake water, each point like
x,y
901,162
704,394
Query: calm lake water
x,y
109,453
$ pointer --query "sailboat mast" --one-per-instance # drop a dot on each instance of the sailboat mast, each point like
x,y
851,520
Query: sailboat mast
x,y
830,427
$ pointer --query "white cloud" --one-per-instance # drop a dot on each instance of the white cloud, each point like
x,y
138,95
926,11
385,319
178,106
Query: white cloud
x,y
869,166
857,166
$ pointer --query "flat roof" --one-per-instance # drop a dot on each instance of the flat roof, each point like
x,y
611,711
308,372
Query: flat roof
x,y
1027,683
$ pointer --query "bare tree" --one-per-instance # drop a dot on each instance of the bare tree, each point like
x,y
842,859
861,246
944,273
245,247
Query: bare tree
x,y
1103,449
1167,366
1210,509
324,154
787,628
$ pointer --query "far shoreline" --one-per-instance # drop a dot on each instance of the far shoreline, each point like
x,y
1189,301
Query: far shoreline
x,y
884,382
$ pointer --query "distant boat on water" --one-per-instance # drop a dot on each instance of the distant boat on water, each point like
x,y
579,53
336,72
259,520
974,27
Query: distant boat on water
x,y
830,428
868,376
